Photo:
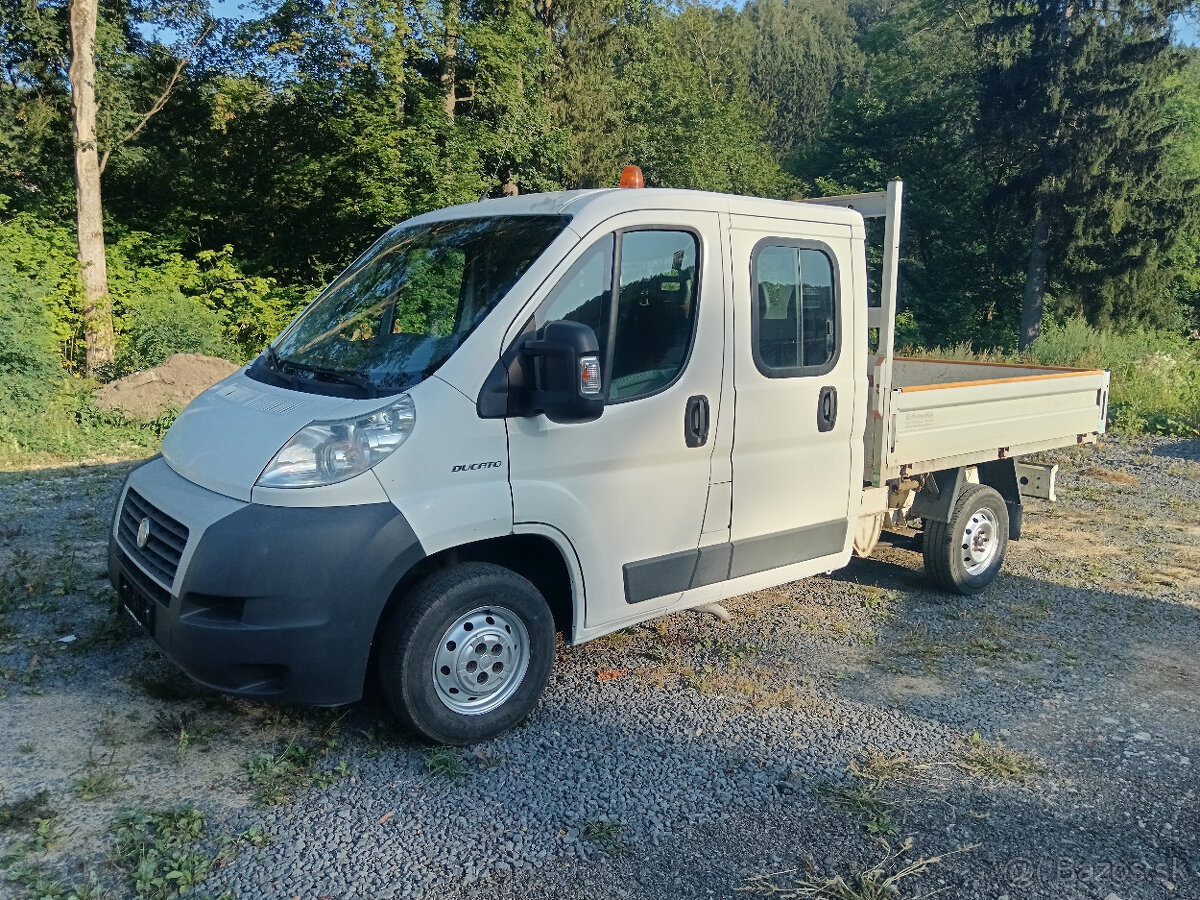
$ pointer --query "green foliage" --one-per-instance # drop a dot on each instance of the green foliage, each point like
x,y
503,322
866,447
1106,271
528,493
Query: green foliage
x,y
1155,374
45,407
800,57
445,762
1073,105
158,326
277,777
25,812
159,851
692,122
168,303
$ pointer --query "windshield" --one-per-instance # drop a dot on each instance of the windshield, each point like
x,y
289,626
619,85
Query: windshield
x,y
394,316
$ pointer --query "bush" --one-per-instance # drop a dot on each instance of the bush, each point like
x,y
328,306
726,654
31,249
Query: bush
x,y
165,301
1155,374
158,325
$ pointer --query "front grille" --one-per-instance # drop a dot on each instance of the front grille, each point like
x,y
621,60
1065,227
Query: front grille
x,y
164,547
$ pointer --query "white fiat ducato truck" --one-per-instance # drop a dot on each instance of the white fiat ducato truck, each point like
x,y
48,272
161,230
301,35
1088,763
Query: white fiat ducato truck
x,y
567,413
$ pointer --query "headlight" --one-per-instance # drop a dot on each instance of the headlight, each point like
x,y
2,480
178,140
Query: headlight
x,y
328,452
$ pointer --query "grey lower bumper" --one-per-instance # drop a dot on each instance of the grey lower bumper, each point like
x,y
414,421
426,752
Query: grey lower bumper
x,y
279,602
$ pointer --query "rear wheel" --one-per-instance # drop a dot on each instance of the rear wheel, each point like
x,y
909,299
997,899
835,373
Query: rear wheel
x,y
468,655
965,554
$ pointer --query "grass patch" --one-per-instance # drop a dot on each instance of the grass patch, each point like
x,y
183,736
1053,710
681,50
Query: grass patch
x,y
41,885
98,785
864,799
445,762
888,768
1110,476
100,780
916,647
882,602
25,813
44,834
159,851
985,759
880,881
184,731
277,777
749,684
604,833
1187,470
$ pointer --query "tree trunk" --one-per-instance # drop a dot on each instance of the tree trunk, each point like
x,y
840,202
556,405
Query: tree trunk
x,y
89,214
1035,278
450,59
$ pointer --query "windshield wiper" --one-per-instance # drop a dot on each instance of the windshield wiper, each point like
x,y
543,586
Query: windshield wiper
x,y
337,377
276,365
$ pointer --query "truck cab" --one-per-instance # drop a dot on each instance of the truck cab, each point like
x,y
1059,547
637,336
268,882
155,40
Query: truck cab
x,y
550,414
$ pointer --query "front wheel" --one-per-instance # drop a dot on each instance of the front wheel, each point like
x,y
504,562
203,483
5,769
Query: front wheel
x,y
468,655
965,554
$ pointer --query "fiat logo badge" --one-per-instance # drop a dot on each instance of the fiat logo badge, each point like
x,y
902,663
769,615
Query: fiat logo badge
x,y
143,535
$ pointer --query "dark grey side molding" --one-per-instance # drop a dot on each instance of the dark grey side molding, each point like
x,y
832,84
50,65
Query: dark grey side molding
x,y
676,572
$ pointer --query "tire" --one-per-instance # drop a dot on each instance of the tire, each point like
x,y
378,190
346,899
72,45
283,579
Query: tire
x,y
965,554
468,655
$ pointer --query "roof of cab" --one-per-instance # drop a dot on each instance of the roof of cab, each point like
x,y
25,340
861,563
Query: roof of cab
x,y
598,205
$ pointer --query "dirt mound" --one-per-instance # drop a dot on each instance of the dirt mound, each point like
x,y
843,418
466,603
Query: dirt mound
x,y
179,380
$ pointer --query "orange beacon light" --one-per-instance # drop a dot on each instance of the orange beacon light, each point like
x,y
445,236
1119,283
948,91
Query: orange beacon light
x,y
631,177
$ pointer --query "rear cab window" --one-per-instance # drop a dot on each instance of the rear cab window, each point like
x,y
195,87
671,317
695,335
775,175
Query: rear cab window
x,y
795,312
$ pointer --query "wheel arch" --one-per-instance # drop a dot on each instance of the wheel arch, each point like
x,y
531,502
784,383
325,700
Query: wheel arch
x,y
535,557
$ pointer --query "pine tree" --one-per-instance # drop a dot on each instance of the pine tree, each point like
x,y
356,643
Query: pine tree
x,y
1073,99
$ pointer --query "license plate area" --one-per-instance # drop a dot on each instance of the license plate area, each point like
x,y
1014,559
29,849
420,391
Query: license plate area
x,y
137,603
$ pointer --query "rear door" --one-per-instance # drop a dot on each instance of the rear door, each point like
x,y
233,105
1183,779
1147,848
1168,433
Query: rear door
x,y
797,453
629,490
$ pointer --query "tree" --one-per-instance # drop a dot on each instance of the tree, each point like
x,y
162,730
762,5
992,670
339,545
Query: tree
x,y
913,115
692,121
89,214
801,55
1073,97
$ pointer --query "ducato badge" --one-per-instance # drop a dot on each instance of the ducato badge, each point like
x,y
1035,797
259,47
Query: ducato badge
x,y
143,535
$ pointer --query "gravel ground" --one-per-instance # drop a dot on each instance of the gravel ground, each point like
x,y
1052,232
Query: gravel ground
x,y
1041,739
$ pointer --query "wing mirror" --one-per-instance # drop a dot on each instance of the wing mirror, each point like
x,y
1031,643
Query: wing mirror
x,y
555,371
567,385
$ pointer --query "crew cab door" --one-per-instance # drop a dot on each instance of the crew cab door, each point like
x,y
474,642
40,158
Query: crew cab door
x,y
629,490
797,450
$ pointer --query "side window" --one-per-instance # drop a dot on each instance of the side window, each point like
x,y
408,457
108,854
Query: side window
x,y
656,311
655,307
795,310
584,294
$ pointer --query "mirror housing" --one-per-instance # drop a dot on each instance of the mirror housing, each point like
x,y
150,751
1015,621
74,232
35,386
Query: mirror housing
x,y
565,361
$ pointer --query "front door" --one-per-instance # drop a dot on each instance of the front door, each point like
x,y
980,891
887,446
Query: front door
x,y
798,441
629,490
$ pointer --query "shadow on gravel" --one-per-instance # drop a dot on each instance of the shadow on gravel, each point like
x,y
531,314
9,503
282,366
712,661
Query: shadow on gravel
x,y
1181,449
1100,685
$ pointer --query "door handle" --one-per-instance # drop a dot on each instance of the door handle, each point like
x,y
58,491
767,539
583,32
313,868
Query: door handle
x,y
695,422
827,409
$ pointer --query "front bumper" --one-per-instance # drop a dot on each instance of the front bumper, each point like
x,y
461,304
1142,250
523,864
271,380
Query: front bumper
x,y
266,601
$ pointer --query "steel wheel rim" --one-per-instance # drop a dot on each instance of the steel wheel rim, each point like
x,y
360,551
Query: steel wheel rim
x,y
980,541
481,660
